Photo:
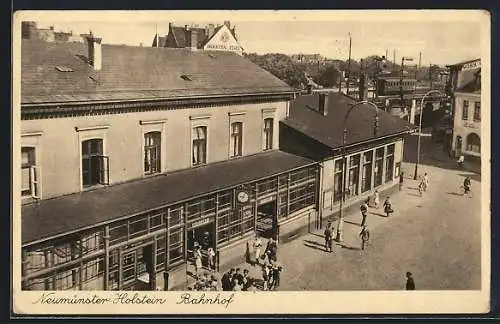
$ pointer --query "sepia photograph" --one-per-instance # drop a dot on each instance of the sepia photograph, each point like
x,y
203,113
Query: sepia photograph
x,y
176,161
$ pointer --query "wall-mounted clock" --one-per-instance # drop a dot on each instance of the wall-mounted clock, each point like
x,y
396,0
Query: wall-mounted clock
x,y
242,197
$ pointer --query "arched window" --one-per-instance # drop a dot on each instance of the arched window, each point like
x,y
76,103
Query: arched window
x,y
473,143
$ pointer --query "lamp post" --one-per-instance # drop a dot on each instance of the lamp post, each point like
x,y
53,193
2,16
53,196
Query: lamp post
x,y
415,176
340,227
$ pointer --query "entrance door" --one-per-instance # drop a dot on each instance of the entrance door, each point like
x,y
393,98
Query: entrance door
x,y
267,220
138,269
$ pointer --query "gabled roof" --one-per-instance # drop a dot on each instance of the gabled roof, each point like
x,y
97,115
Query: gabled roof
x,y
136,73
162,41
182,41
328,129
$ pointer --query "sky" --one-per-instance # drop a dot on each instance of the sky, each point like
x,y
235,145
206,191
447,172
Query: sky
x,y
442,37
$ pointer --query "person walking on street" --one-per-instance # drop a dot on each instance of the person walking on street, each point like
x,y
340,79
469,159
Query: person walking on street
x,y
329,237
426,181
376,200
211,259
467,187
257,244
388,206
197,261
401,179
365,236
364,212
410,283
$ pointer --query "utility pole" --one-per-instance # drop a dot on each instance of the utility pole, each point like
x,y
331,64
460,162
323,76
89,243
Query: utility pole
x,y
156,35
349,64
393,59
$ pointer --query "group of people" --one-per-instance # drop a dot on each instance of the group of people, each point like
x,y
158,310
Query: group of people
x,y
198,259
235,280
268,261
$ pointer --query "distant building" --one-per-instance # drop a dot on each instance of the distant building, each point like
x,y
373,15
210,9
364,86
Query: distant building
x,y
210,38
308,58
465,84
30,30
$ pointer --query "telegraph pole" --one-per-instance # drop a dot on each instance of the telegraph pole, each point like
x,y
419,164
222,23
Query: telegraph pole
x,y
349,64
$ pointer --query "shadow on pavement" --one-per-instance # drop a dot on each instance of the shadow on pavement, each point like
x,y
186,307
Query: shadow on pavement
x,y
455,193
322,248
353,223
378,214
413,194
355,248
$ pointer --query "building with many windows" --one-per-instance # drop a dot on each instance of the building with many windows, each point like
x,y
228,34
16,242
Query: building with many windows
x,y
132,155
373,149
467,119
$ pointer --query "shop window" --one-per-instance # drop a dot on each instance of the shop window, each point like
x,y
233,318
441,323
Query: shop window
x,y
465,110
92,269
161,247
337,180
199,139
366,178
95,166
225,200
389,163
268,133
473,143
29,173
236,139
67,279
91,242
152,152
138,226
156,220
118,233
477,111
175,216
379,164
113,261
176,246
353,176
267,186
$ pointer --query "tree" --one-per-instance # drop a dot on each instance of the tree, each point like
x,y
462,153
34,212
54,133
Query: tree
x,y
329,77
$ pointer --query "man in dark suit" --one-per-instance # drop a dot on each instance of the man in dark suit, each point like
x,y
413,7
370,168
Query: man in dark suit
x,y
226,280
410,284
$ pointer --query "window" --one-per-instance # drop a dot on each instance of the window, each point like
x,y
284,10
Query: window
x,y
473,143
379,164
152,152
389,163
366,177
353,176
268,133
236,138
176,245
465,110
29,173
337,180
95,166
199,137
477,111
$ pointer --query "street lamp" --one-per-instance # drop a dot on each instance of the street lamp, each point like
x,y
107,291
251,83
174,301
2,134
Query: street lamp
x,y
340,227
420,130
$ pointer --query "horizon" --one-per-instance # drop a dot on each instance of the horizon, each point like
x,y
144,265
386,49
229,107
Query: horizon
x,y
442,42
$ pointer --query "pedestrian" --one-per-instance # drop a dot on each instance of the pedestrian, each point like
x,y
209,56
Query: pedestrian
x,y
265,274
364,211
272,249
467,187
328,237
276,273
401,179
211,258
227,279
237,276
257,244
197,260
237,285
388,206
365,236
247,281
460,161
426,181
410,283
376,200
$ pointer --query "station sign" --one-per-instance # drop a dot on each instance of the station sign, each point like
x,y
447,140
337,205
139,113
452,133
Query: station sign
x,y
223,40
472,65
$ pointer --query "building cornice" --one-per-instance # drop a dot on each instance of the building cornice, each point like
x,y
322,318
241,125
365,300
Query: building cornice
x,y
74,109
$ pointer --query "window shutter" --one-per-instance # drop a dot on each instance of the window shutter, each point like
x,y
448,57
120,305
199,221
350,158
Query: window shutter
x,y
104,168
35,174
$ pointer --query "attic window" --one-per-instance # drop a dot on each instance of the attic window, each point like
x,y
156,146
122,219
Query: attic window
x,y
186,77
62,68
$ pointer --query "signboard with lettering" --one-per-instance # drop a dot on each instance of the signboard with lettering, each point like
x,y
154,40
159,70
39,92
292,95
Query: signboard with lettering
x,y
201,222
472,65
223,40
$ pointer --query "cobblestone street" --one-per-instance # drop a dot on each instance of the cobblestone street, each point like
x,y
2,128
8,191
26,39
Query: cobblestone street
x,y
436,237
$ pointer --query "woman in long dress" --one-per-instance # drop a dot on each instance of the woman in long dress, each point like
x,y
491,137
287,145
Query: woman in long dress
x,y
197,261
376,200
257,244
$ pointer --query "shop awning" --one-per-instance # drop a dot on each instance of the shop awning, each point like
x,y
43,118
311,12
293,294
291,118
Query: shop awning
x,y
57,216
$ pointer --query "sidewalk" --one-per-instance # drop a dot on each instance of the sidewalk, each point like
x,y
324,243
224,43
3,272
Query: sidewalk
x,y
297,254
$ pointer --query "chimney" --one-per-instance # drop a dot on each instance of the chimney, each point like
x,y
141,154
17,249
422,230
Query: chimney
x,y
323,104
211,29
227,23
186,27
95,51
193,39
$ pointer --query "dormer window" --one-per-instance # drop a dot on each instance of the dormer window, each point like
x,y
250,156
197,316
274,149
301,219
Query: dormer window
x,y
186,77
62,68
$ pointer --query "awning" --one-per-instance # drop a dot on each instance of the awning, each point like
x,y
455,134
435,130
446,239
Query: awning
x,y
52,217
